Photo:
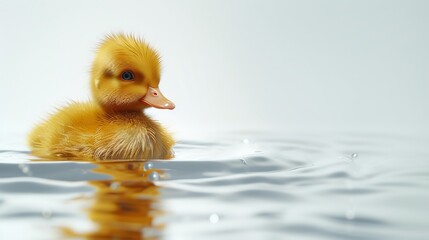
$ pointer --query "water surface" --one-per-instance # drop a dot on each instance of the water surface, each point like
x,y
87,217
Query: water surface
x,y
241,185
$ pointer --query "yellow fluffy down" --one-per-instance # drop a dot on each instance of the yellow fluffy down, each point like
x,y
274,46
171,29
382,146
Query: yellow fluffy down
x,y
112,125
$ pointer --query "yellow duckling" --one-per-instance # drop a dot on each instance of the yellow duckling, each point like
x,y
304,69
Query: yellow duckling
x,y
124,80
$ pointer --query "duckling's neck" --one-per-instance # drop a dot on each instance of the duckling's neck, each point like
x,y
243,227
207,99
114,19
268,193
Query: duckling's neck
x,y
119,110
112,112
124,114
136,118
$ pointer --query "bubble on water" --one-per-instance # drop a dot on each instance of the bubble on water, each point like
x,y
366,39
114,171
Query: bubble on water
x,y
246,141
46,213
350,214
214,218
154,176
243,161
114,185
148,165
354,155
22,166
25,169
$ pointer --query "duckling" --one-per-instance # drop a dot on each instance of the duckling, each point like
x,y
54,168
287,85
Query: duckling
x,y
124,81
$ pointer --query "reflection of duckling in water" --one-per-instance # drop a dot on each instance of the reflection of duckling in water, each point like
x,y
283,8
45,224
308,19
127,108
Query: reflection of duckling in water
x,y
124,80
123,207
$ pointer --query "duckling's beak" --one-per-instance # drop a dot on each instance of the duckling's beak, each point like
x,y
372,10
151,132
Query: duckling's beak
x,y
155,98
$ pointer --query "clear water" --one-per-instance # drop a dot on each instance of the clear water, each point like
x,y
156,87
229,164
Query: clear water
x,y
240,186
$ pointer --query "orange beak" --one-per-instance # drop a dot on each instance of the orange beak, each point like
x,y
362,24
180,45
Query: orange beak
x,y
155,99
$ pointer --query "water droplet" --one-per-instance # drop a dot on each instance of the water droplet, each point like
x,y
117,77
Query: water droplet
x,y
47,213
114,185
243,161
214,218
354,155
25,169
153,176
350,214
246,141
22,166
148,165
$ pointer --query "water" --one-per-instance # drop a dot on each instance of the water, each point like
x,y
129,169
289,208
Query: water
x,y
243,185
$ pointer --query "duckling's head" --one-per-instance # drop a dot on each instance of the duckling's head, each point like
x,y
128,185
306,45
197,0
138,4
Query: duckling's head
x,y
125,75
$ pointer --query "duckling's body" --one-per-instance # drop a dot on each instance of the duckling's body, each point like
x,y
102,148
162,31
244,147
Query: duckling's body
x,y
113,126
85,131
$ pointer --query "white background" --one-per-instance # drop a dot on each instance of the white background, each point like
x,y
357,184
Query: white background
x,y
289,65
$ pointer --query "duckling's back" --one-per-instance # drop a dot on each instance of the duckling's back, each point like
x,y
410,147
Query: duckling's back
x,y
68,133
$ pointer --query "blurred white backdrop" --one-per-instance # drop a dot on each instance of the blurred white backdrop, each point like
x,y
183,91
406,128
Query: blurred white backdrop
x,y
230,64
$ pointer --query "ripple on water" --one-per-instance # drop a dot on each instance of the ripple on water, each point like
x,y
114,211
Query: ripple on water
x,y
28,185
253,186
366,221
317,232
32,214
63,171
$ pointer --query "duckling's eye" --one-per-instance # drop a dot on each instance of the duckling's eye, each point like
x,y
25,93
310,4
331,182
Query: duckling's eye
x,y
127,75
